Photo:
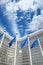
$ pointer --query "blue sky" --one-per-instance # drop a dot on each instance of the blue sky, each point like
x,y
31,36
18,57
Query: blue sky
x,y
21,16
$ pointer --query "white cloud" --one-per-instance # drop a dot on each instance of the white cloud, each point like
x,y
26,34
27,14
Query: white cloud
x,y
25,4
2,28
35,6
36,23
4,1
12,19
11,7
40,2
22,4
42,12
10,12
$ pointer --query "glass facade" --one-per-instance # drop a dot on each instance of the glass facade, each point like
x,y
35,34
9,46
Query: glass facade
x,y
37,58
23,57
7,54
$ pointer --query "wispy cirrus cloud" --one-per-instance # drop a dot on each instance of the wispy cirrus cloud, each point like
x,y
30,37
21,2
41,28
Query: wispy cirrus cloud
x,y
22,4
11,9
4,1
40,2
25,4
11,15
37,23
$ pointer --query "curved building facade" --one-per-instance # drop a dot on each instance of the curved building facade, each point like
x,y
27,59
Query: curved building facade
x,y
8,55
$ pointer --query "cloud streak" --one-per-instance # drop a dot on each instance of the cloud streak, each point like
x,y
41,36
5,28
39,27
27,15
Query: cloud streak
x,y
37,23
11,9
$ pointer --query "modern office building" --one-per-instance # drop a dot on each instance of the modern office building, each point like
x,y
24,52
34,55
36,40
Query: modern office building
x,y
8,55
37,58
6,52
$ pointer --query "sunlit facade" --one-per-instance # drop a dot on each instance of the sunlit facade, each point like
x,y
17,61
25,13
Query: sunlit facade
x,y
37,58
23,58
7,54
